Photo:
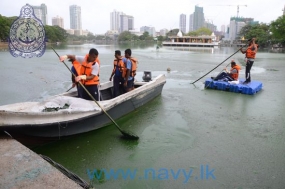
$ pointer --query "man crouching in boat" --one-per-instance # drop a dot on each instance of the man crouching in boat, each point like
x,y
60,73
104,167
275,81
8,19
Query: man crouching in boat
x,y
231,75
87,69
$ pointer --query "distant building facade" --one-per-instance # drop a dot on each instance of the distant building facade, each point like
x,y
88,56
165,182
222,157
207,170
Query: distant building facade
x,y
182,23
210,26
131,25
191,22
57,21
198,19
85,32
163,32
126,23
41,13
70,31
223,28
149,29
236,24
115,20
75,17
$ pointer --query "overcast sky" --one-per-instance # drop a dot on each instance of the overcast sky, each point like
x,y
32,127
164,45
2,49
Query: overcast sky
x,y
156,13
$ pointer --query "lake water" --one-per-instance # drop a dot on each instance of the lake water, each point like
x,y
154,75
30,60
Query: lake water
x,y
189,137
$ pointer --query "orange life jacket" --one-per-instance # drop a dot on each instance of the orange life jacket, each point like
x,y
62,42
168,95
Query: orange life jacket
x,y
120,65
134,66
249,52
235,75
86,69
96,60
77,66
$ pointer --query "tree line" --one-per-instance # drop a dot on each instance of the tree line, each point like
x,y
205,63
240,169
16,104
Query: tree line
x,y
266,34
53,33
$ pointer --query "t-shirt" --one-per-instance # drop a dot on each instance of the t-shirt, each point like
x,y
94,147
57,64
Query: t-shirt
x,y
128,64
95,67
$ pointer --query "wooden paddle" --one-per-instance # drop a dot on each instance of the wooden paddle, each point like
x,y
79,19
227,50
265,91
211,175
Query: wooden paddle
x,y
125,134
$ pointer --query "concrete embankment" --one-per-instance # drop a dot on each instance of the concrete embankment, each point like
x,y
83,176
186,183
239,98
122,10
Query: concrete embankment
x,y
22,168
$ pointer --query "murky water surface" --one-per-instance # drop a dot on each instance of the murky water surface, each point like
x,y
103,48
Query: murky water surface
x,y
189,137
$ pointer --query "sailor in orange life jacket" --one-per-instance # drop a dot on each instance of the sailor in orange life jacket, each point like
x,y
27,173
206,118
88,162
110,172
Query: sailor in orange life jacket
x,y
87,69
119,73
250,53
231,75
129,78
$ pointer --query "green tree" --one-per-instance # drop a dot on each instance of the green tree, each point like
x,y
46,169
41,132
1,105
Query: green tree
x,y
204,31
50,34
144,36
5,25
258,31
4,31
90,37
200,31
125,36
192,33
55,34
160,38
277,28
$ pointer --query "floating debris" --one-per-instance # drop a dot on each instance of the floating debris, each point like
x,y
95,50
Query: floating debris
x,y
54,109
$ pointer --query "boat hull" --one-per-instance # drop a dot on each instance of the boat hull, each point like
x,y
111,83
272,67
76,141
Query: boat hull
x,y
116,108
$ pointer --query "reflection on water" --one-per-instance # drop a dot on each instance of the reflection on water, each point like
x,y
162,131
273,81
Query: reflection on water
x,y
238,135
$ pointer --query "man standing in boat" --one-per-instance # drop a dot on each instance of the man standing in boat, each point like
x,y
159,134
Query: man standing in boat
x,y
250,53
131,66
88,72
119,73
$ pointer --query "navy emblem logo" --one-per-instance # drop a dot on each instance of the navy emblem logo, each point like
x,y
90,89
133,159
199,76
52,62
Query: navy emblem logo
x,y
27,35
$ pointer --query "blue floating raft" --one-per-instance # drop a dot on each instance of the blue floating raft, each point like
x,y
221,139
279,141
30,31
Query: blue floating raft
x,y
250,88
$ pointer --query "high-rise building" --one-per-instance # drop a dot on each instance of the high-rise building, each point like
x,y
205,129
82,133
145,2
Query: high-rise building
x,y
209,24
131,23
115,20
163,32
75,17
198,20
236,23
126,23
223,28
284,10
191,22
182,23
57,21
41,13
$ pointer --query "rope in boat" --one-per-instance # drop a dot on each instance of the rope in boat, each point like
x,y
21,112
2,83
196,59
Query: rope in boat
x,y
68,173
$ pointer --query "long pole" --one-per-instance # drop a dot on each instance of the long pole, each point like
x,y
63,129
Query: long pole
x,y
126,134
69,89
217,66
216,77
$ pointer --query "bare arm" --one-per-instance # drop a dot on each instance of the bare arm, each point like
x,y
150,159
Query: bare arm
x,y
254,45
70,57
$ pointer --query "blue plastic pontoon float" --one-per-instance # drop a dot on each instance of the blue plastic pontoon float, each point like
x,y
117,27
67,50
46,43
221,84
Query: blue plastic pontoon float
x,y
250,88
